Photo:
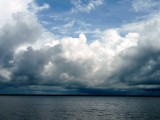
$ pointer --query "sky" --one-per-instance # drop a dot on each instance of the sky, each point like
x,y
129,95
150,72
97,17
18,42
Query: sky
x,y
100,47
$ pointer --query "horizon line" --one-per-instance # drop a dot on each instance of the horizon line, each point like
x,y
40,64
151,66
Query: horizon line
x,y
80,95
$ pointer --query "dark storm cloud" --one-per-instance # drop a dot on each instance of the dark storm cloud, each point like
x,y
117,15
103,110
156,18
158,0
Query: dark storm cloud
x,y
142,61
30,64
141,68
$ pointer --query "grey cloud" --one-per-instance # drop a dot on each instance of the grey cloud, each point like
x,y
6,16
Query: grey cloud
x,y
28,66
141,67
15,33
140,64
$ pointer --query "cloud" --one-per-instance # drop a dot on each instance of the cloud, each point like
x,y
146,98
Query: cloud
x,y
32,58
17,32
64,28
79,6
144,5
70,26
36,8
144,58
19,28
9,7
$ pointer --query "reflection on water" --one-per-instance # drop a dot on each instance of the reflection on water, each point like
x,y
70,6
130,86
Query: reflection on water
x,y
79,108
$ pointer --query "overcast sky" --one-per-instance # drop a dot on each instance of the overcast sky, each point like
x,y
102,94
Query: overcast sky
x,y
80,47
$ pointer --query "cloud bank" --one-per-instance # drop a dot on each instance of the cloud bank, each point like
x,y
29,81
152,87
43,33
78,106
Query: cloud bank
x,y
122,60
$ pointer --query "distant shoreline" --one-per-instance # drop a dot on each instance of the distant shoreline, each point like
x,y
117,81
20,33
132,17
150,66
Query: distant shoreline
x,y
79,95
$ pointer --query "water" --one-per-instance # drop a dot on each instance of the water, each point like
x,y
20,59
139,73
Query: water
x,y
79,108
